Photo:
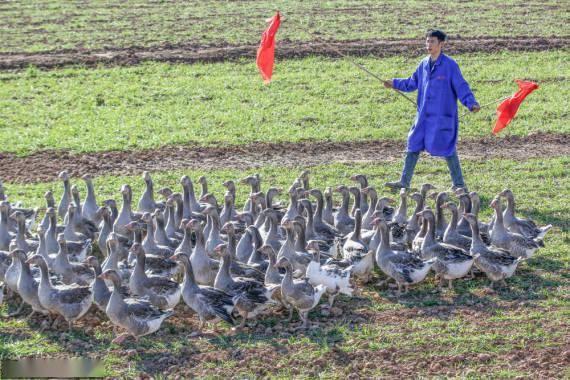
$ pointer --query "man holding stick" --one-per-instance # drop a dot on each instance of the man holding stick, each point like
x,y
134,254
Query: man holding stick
x,y
439,83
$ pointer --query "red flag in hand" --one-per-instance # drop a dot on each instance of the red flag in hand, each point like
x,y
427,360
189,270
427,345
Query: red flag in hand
x,y
507,110
266,50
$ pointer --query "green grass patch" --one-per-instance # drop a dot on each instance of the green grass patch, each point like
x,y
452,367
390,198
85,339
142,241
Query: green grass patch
x,y
155,104
40,26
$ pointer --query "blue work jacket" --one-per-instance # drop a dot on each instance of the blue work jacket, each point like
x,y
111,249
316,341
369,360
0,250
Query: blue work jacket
x,y
436,126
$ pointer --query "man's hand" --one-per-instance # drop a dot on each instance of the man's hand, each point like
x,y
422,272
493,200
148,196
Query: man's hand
x,y
388,84
476,108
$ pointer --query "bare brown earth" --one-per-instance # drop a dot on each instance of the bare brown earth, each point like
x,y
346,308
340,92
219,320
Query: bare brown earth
x,y
43,166
190,52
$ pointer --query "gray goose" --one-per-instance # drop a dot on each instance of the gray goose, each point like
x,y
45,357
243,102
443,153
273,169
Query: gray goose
x,y
28,285
244,247
27,245
525,227
204,267
161,292
413,224
495,263
272,275
356,252
101,294
90,207
254,182
50,202
321,227
79,222
250,296
146,202
70,301
211,304
298,294
516,244
78,250
355,191
484,228
452,262
292,209
400,219
299,260
213,237
228,212
12,274
440,223
329,210
113,259
363,182
204,185
367,216
138,316
343,222
149,244
126,214
273,236
465,206
451,235
70,272
238,268
404,268
160,235
66,196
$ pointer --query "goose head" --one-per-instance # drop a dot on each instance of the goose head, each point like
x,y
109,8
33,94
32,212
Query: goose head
x,y
222,250
146,177
360,178
228,229
50,200
112,276
63,175
427,214
416,197
92,261
426,187
470,218
506,193
208,198
166,192
283,262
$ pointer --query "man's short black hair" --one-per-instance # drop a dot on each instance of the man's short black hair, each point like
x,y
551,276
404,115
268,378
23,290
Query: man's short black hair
x,y
439,34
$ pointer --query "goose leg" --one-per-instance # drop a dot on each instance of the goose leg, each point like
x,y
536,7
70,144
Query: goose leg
x,y
406,288
30,315
449,284
18,311
290,314
69,327
305,318
243,321
331,299
399,289
504,283
120,339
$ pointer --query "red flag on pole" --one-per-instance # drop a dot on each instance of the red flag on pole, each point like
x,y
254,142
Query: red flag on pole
x,y
266,50
507,110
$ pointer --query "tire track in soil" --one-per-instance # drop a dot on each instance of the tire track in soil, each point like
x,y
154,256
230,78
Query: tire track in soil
x,y
43,166
190,53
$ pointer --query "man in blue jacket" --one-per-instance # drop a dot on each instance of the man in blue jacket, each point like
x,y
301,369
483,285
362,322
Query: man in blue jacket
x,y
439,83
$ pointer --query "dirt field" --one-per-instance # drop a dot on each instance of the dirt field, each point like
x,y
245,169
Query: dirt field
x,y
44,166
190,53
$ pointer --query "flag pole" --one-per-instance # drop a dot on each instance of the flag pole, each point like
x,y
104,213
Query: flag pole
x,y
361,67
486,104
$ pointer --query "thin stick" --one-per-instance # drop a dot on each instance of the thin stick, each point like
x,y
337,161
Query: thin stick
x,y
485,105
370,73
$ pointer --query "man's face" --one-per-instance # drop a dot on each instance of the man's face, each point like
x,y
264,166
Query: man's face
x,y
433,45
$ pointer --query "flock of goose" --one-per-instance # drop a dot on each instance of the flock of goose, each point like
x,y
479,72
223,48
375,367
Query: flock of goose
x,y
227,265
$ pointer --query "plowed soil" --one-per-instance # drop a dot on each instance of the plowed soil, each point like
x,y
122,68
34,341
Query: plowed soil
x,y
190,53
44,165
